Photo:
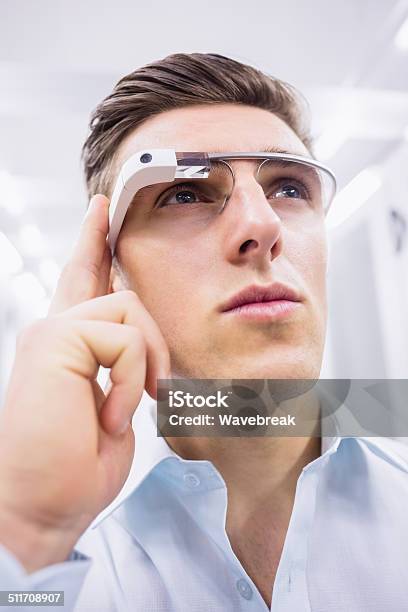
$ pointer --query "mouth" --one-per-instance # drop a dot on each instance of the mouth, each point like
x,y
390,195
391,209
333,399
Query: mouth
x,y
263,303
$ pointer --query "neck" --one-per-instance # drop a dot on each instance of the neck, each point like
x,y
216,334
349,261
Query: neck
x,y
256,470
261,474
260,470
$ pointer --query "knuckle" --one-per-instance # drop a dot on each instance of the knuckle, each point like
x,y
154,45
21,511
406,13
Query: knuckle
x,y
129,297
91,267
75,268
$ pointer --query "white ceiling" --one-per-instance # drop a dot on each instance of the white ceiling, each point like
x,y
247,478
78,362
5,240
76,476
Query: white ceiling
x,y
58,58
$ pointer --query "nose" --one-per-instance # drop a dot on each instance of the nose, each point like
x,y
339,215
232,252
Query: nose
x,y
254,230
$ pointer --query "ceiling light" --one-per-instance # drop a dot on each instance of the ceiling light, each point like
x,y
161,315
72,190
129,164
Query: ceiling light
x,y
353,196
401,37
11,261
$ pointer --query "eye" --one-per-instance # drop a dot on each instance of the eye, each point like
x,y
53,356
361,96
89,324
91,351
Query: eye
x,y
289,189
185,197
180,195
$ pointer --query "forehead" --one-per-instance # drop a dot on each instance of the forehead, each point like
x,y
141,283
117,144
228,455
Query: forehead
x,y
212,128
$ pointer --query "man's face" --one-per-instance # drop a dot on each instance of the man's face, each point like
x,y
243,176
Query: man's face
x,y
183,278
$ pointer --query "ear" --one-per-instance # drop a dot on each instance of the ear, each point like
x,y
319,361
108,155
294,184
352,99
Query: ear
x,y
117,281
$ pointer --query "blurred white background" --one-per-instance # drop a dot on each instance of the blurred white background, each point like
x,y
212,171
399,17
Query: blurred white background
x,y
59,58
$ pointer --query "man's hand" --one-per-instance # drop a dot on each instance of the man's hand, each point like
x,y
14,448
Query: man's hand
x,y
65,447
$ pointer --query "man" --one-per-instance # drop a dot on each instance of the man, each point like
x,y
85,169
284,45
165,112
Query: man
x,y
309,523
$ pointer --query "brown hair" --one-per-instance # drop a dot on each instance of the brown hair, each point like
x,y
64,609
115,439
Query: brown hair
x,y
181,80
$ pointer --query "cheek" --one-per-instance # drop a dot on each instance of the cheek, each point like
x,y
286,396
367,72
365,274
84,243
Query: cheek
x,y
163,274
310,259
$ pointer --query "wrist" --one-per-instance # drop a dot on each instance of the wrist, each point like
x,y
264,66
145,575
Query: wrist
x,y
34,544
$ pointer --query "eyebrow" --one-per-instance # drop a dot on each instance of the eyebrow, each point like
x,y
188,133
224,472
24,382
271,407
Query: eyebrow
x,y
273,149
265,149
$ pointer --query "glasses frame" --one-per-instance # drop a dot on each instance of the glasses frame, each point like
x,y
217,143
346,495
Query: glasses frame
x,y
154,166
265,156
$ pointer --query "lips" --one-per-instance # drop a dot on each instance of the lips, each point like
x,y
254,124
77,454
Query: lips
x,y
257,293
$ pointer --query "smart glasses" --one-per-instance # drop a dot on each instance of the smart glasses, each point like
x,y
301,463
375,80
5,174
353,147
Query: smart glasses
x,y
183,191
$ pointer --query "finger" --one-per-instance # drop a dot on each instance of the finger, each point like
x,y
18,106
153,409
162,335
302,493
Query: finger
x,y
121,348
126,307
80,279
116,455
104,275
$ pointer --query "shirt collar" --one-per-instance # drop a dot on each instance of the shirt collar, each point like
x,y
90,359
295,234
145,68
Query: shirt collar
x,y
151,450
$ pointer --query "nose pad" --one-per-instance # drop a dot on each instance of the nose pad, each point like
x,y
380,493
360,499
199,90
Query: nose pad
x,y
227,178
253,196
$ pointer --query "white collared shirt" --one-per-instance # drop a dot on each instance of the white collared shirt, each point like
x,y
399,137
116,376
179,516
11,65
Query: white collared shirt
x,y
161,545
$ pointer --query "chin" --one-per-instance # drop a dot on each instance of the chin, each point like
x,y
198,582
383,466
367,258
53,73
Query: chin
x,y
293,371
240,372
278,362
276,374
287,365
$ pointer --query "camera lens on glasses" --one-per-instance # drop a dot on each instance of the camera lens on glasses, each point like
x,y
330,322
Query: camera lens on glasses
x,y
146,158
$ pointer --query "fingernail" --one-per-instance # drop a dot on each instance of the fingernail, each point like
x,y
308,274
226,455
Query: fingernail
x,y
88,210
91,206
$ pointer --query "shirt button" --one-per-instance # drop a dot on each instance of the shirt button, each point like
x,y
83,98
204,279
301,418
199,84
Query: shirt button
x,y
244,589
191,480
